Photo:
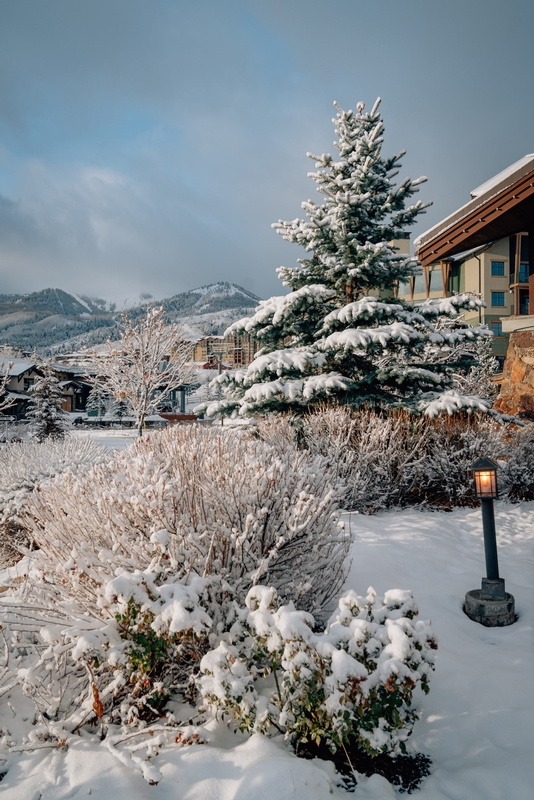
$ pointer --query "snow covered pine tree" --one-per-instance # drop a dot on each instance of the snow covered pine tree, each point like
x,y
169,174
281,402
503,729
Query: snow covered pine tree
x,y
46,413
340,335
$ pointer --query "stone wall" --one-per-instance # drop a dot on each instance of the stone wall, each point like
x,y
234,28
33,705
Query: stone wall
x,y
517,385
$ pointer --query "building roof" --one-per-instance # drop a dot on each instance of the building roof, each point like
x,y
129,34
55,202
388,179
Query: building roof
x,y
465,254
19,366
500,207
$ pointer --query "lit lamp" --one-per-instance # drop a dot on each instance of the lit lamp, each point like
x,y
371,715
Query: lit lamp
x,y
490,605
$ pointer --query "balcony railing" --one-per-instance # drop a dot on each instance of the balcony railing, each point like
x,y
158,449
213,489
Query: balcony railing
x,y
518,277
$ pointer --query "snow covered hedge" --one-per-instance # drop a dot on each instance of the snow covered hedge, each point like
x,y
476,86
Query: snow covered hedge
x,y
395,459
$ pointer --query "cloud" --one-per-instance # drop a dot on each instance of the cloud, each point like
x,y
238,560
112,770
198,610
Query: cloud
x,y
151,145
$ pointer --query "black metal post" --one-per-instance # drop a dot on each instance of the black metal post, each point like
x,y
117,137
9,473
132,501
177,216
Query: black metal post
x,y
490,539
182,401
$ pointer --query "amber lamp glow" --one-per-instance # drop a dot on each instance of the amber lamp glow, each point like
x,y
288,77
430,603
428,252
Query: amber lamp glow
x,y
485,472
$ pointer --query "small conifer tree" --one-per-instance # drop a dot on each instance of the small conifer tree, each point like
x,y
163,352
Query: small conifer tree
x,y
46,414
341,334
97,399
119,408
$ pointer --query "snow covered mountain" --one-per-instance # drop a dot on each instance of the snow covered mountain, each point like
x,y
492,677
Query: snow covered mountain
x,y
58,319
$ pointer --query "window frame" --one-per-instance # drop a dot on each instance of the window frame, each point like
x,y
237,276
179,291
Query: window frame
x,y
500,265
493,298
497,324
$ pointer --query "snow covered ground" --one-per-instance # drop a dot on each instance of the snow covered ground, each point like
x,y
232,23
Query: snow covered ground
x,y
114,438
478,720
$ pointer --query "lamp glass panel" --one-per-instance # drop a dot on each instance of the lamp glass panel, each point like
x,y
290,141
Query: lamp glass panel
x,y
486,483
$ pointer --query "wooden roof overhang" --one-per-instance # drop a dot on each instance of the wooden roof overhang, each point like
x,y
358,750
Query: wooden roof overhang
x,y
505,208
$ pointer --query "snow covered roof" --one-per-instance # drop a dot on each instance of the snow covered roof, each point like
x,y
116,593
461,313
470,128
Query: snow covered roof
x,y
503,176
489,202
20,366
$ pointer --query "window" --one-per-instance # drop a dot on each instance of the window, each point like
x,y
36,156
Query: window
x,y
501,360
420,285
523,273
496,327
404,288
28,383
436,281
497,268
497,298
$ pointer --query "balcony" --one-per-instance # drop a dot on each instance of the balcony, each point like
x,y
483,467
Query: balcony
x,y
518,278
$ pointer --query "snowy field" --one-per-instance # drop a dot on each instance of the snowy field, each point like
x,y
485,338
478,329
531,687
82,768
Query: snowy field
x,y
478,721
114,438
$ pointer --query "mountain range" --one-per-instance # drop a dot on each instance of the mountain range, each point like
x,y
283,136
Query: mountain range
x,y
54,320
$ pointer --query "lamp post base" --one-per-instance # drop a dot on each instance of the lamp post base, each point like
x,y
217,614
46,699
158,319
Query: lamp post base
x,y
493,612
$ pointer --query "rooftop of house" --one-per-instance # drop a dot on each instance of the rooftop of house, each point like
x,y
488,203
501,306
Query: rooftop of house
x,y
496,209
18,367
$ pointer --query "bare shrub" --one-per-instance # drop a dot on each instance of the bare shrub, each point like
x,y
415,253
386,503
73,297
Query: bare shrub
x,y
444,477
26,465
232,505
517,471
397,459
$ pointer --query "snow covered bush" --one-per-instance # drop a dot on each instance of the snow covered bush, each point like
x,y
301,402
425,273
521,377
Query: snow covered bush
x,y
351,684
232,506
119,661
26,465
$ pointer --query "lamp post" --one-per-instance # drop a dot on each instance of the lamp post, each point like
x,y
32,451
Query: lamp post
x,y
490,605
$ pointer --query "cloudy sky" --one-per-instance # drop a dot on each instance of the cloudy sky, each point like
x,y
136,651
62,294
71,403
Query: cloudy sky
x,y
148,145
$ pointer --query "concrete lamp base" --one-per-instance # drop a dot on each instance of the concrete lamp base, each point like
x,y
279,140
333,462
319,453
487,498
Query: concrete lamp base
x,y
491,605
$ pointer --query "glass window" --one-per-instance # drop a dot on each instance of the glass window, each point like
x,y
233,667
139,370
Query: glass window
x,y
496,327
497,298
436,281
497,267
420,286
523,273
404,288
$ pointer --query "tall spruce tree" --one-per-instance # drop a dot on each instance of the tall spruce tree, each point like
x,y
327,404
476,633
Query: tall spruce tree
x,y
341,335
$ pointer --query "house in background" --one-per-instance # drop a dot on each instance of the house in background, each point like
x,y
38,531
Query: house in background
x,y
22,375
483,248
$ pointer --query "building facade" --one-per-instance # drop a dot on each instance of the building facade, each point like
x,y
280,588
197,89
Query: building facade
x,y
483,248
235,350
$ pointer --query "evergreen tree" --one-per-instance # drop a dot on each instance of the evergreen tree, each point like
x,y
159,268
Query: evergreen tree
x,y
341,335
45,413
97,399
119,408
479,378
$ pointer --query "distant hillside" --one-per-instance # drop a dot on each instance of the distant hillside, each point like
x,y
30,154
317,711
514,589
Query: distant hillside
x,y
56,319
